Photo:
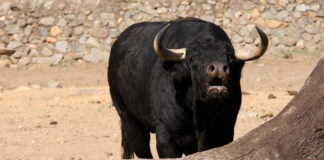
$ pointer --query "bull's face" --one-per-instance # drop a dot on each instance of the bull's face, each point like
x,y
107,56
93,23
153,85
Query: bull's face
x,y
213,68
212,65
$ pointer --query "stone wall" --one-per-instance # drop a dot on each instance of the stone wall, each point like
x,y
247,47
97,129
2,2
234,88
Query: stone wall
x,y
58,31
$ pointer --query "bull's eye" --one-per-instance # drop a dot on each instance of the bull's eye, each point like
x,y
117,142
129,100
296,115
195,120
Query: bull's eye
x,y
193,59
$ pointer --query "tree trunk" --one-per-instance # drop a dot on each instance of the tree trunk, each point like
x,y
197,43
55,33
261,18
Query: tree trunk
x,y
296,133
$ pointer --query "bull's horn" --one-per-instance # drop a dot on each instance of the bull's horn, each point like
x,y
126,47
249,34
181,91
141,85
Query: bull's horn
x,y
7,52
165,53
249,56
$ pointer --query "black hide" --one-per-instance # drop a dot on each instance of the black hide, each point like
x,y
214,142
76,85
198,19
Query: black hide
x,y
170,98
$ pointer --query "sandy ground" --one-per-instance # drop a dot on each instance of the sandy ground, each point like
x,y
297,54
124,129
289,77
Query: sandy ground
x,y
76,120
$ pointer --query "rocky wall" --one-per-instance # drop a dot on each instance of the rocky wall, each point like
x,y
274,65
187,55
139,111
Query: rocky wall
x,y
50,32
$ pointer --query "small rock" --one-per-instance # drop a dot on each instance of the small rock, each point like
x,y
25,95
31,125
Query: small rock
x,y
53,123
253,114
107,16
24,61
271,96
12,29
93,42
54,84
288,41
98,32
46,52
47,21
300,44
57,58
62,22
78,30
42,60
302,8
51,39
273,24
311,29
55,30
23,88
5,62
255,13
14,45
43,31
292,92
61,46
265,115
77,48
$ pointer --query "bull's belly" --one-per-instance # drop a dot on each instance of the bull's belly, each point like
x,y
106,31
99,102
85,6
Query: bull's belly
x,y
135,98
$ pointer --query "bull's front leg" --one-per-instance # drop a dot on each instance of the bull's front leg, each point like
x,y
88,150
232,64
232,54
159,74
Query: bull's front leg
x,y
166,145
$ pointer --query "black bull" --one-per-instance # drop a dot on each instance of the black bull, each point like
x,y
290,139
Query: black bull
x,y
180,80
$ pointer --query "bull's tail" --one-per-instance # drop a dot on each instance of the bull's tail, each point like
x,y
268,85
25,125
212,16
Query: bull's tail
x,y
128,152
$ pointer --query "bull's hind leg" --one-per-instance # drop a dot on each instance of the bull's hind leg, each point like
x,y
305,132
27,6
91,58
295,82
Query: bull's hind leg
x,y
135,137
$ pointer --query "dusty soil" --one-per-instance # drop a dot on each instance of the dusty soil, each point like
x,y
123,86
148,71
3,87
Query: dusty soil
x,y
75,120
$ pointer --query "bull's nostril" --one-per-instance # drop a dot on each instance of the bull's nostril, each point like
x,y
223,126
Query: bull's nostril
x,y
225,68
211,68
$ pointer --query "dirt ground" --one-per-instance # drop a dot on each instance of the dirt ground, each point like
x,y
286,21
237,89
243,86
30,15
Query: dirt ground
x,y
74,119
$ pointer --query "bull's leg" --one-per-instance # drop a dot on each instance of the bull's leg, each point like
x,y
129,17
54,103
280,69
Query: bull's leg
x,y
136,137
166,146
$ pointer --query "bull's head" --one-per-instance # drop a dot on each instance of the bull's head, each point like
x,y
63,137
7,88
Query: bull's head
x,y
213,65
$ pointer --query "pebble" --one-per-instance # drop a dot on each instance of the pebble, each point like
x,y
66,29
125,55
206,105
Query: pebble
x,y
292,92
54,84
271,96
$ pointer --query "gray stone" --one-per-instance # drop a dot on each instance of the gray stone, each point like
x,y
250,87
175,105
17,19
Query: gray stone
x,y
57,58
4,8
61,46
297,14
295,32
209,18
311,29
280,33
95,56
282,14
81,17
14,45
147,9
61,22
315,7
78,30
12,29
302,22
320,14
21,22
113,33
275,41
48,5
46,52
93,42
43,31
83,39
249,40
24,61
207,7
229,14
322,34
47,21
77,48
307,36
248,5
242,31
237,39
290,7
288,41
70,17
98,32
302,8
317,38
33,53
54,84
107,16
42,60
28,30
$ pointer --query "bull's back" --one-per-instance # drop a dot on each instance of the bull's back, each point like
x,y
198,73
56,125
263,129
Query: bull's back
x,y
130,65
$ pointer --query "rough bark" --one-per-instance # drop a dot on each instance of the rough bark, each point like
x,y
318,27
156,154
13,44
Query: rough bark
x,y
7,52
297,132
